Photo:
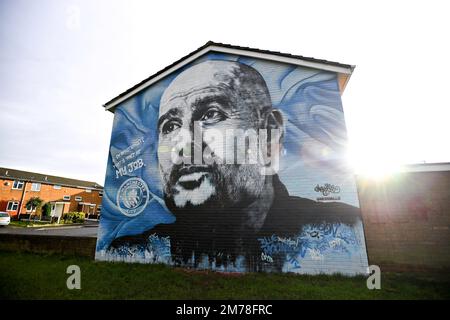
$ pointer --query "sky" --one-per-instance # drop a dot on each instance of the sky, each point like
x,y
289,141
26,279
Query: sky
x,y
60,61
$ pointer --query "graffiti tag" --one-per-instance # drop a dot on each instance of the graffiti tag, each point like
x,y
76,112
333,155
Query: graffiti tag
x,y
160,246
315,241
266,257
327,188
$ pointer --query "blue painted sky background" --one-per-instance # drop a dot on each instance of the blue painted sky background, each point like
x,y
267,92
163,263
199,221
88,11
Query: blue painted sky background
x,y
61,60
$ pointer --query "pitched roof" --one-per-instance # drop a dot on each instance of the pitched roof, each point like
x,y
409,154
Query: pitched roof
x,y
14,174
344,70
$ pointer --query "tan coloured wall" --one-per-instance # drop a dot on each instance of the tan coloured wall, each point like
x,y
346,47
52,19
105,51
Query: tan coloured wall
x,y
407,220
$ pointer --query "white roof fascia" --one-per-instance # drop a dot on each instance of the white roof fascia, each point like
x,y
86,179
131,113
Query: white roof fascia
x,y
426,167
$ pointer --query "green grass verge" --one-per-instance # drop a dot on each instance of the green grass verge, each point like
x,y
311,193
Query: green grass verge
x,y
26,224
32,276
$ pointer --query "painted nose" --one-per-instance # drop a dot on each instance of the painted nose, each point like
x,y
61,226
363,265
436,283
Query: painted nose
x,y
184,148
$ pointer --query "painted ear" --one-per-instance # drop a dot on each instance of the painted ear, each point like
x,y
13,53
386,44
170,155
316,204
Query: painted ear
x,y
275,121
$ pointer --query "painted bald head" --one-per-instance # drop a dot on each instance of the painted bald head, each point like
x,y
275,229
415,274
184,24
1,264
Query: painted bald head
x,y
241,86
214,96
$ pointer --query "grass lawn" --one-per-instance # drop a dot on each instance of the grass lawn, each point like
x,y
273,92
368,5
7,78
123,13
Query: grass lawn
x,y
32,276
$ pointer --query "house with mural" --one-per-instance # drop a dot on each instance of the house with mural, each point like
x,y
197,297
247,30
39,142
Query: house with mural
x,y
233,159
63,195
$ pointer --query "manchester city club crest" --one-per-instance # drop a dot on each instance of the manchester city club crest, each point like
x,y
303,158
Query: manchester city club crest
x,y
132,197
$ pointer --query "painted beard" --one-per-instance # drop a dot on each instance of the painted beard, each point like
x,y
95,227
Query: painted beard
x,y
210,202
197,188
211,194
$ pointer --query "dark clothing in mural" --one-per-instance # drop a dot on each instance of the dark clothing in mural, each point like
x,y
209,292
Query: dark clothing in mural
x,y
200,232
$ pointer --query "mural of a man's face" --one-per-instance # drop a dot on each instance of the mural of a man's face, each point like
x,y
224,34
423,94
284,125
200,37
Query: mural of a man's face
x,y
217,96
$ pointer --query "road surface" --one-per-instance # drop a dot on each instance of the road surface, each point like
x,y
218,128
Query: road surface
x,y
89,229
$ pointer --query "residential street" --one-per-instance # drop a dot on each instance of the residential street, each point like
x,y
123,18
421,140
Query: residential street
x,y
89,229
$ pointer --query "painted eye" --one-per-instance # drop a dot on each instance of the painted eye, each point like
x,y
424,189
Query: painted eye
x,y
212,116
169,126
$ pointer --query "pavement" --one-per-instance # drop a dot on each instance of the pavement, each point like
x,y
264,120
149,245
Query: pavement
x,y
88,229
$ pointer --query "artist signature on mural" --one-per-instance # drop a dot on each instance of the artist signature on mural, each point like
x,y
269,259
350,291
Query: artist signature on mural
x,y
327,188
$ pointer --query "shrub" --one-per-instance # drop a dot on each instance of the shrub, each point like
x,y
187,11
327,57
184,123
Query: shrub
x,y
46,209
73,217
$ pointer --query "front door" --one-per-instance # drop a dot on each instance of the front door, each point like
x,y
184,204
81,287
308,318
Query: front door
x,y
57,210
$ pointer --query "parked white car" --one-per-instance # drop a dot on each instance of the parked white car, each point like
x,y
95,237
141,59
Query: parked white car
x,y
4,218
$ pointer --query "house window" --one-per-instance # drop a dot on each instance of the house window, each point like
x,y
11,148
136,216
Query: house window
x,y
66,198
35,186
88,190
12,206
100,193
99,208
30,208
17,185
56,187
78,198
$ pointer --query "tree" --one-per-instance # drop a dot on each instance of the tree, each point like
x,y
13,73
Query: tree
x,y
34,204
46,210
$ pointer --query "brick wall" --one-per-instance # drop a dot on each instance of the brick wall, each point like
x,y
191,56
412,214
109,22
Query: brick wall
x,y
77,246
407,220
7,193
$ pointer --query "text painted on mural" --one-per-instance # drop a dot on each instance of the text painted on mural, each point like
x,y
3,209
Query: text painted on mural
x,y
127,161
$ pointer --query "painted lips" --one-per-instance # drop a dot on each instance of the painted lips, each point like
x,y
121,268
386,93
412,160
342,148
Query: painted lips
x,y
192,180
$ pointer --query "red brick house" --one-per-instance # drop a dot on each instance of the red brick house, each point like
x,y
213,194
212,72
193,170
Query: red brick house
x,y
63,194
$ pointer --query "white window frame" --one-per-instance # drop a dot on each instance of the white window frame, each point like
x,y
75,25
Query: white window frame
x,y
57,187
34,185
16,203
18,183
100,193
66,198
99,208
88,190
30,209
78,198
